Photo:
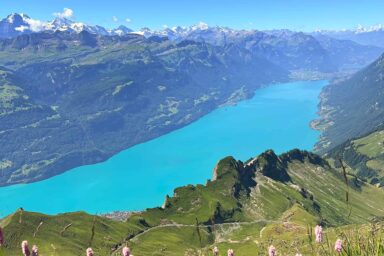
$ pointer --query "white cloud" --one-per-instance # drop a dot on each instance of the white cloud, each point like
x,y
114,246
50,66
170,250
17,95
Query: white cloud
x,y
22,28
115,19
36,25
67,13
200,26
128,20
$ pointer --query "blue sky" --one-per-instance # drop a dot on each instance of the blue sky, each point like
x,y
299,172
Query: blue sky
x,y
303,15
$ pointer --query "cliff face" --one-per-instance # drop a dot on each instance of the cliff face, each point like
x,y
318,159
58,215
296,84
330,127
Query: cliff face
x,y
270,165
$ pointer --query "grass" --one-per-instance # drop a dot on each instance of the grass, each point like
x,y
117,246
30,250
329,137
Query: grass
x,y
235,210
371,145
376,164
289,238
64,234
364,157
176,241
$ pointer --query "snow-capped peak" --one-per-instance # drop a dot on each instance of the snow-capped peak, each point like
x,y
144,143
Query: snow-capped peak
x,y
16,24
200,26
120,31
24,24
16,17
374,28
21,23
358,30
144,32
61,21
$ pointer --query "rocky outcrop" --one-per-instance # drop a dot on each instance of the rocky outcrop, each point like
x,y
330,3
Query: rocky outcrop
x,y
270,165
302,155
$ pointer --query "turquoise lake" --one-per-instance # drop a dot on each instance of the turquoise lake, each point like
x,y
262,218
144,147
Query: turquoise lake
x,y
277,118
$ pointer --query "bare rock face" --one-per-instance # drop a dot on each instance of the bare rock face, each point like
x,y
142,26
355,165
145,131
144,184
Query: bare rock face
x,y
166,203
214,175
271,165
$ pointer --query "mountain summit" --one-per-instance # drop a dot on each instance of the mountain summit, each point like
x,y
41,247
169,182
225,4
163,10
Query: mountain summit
x,y
15,24
18,24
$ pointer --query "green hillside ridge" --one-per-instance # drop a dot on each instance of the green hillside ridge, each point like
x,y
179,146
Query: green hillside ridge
x,y
352,107
364,156
246,206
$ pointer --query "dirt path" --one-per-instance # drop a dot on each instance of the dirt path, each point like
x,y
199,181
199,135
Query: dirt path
x,y
177,225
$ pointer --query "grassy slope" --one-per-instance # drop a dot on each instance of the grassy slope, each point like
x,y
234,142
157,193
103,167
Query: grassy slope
x,y
65,234
352,107
371,145
365,157
242,209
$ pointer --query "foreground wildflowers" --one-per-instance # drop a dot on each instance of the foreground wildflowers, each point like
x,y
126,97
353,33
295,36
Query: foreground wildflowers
x,y
319,234
338,246
272,251
25,248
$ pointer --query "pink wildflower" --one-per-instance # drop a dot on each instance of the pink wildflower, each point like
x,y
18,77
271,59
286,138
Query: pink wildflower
x,y
215,251
89,252
319,234
272,251
126,251
1,237
25,248
299,254
35,251
338,246
230,252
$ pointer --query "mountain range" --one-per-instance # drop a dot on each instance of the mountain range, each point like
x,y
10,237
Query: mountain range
x,y
20,24
17,24
63,80
73,94
89,96
366,36
293,50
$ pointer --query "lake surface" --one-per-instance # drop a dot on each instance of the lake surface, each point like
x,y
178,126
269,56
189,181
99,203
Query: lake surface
x,y
277,118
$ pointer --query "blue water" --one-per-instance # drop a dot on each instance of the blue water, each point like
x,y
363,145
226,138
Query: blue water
x,y
277,117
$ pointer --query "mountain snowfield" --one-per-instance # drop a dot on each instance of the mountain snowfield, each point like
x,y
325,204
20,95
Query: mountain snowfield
x,y
74,94
17,24
98,76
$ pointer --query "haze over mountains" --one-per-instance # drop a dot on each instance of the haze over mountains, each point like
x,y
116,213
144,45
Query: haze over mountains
x,y
323,51
353,107
367,36
17,24
73,94
65,80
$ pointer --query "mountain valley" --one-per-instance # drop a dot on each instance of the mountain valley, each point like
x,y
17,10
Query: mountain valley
x,y
99,124
79,89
